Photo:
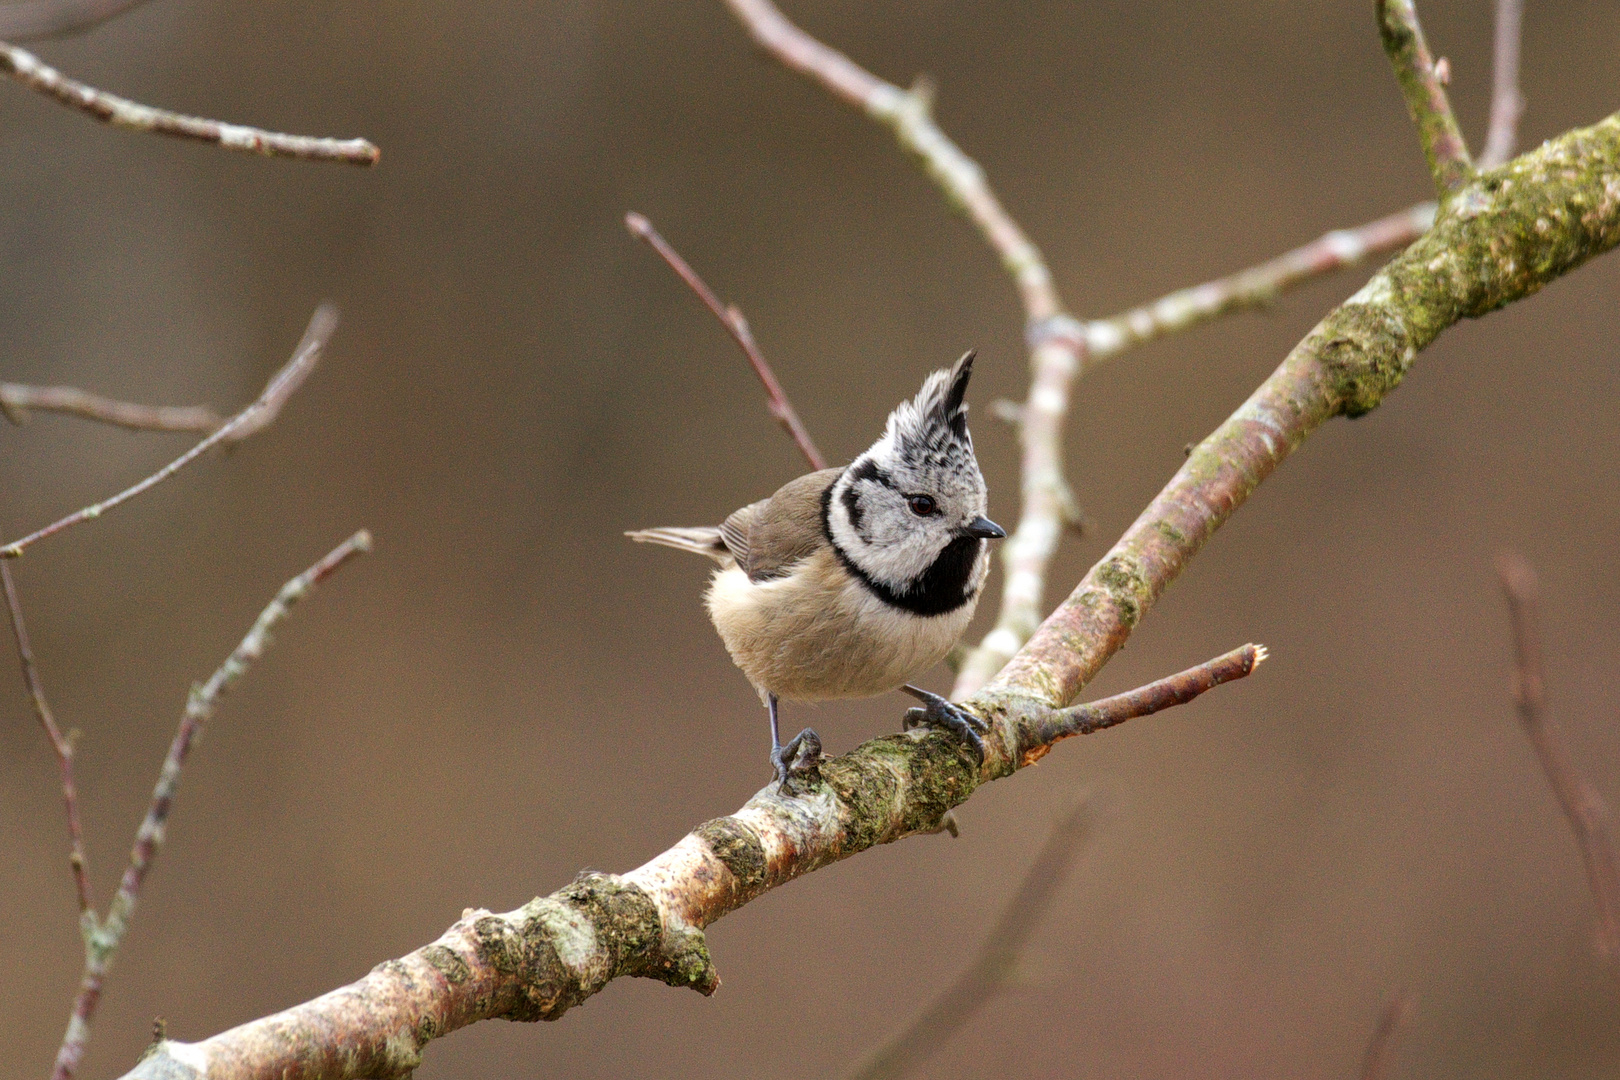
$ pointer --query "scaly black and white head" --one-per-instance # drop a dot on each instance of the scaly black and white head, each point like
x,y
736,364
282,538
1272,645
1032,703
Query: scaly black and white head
x,y
908,516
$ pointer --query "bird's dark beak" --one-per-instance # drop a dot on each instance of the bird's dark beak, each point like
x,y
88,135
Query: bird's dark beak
x,y
984,529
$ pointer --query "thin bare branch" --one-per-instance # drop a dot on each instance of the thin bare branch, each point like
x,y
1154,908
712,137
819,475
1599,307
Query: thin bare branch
x,y
1258,285
731,317
1507,103
61,744
1380,1053
1425,95
35,20
1040,734
32,72
103,936
17,401
250,421
997,961
1585,809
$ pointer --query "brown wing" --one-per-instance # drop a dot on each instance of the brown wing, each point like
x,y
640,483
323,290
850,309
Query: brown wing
x,y
769,536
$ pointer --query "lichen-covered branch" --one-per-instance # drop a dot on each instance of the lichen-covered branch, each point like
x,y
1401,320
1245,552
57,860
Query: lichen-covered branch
x,y
539,961
61,744
35,74
18,400
250,421
1499,239
997,961
1507,103
1583,806
1425,93
731,317
102,936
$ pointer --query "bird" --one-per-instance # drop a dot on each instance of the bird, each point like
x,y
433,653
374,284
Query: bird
x,y
850,582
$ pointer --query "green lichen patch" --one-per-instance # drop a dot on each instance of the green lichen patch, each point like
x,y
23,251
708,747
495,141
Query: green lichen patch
x,y
447,963
1125,585
940,773
625,919
739,847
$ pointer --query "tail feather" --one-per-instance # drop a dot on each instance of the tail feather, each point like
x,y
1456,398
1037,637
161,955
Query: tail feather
x,y
704,540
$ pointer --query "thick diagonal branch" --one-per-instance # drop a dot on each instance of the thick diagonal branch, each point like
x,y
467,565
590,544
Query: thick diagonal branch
x,y
1583,807
103,936
1425,95
35,74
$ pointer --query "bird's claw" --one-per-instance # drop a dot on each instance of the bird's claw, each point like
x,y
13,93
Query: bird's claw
x,y
801,755
936,712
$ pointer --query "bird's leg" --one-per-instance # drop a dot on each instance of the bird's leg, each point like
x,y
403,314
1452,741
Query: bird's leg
x,y
800,755
938,713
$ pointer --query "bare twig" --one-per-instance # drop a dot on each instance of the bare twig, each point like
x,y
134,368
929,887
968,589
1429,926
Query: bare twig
x,y
1582,805
62,744
1425,95
250,421
997,961
38,19
1256,286
1381,1045
29,70
102,936
1039,735
17,401
731,317
1507,103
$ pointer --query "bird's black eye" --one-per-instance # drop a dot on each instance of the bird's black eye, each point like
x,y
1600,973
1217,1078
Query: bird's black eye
x,y
921,505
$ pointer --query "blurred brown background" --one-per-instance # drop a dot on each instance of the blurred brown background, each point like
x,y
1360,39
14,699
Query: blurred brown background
x,y
507,691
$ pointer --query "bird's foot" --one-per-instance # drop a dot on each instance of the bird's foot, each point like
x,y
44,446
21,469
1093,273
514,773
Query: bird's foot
x,y
936,712
800,756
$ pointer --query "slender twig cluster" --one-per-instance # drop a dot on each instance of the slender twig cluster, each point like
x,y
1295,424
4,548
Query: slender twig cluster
x,y
250,421
102,934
